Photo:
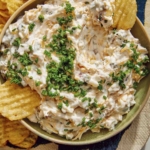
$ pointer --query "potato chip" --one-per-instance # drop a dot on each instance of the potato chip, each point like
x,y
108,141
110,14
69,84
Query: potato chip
x,y
2,6
13,5
4,13
17,102
15,131
124,14
3,138
29,141
3,20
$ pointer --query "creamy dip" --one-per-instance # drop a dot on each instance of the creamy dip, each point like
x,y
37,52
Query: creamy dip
x,y
85,72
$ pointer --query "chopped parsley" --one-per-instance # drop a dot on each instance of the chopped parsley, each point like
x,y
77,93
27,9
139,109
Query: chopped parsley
x,y
36,60
104,97
41,18
44,38
31,27
60,105
66,103
30,48
39,71
65,20
14,29
16,42
37,83
25,60
135,84
24,72
6,51
13,75
47,53
100,86
69,8
60,75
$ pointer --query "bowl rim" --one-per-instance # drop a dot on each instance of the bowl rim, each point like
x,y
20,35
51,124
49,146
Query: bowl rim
x,y
68,142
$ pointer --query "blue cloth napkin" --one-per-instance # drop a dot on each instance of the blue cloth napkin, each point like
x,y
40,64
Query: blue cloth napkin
x,y
141,9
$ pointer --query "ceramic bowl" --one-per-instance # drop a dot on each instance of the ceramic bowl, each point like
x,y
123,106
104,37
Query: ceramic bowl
x,y
141,95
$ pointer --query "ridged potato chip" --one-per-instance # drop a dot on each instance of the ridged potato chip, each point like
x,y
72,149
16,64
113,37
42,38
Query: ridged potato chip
x,y
3,139
3,20
29,141
2,6
13,5
124,14
4,13
17,102
15,131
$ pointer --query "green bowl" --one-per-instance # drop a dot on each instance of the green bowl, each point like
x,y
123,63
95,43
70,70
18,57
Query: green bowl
x,y
141,96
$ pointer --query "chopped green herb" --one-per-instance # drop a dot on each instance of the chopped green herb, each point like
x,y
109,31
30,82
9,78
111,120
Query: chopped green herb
x,y
47,53
114,31
24,72
60,105
66,130
16,42
30,48
69,8
6,51
91,114
94,104
64,20
44,93
91,124
104,97
132,45
146,59
13,75
145,72
41,18
66,103
123,45
44,38
16,79
14,30
36,60
101,109
135,84
83,122
100,87
37,83
39,71
28,67
25,60
31,27
16,54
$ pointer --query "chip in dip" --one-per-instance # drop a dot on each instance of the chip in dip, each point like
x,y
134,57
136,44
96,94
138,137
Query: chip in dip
x,y
85,71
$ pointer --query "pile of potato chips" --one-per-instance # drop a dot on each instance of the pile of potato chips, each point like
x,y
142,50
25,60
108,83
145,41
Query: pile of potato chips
x,y
17,102
16,134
